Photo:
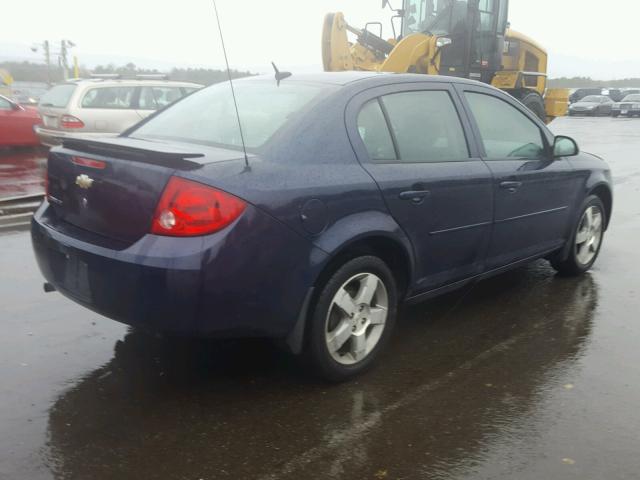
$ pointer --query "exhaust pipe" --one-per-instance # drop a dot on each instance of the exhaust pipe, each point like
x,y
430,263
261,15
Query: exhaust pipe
x,y
48,288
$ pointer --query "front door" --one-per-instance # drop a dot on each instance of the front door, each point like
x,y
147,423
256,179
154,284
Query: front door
x,y
533,192
412,141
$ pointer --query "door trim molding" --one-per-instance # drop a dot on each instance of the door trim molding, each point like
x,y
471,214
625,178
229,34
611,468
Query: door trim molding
x,y
528,215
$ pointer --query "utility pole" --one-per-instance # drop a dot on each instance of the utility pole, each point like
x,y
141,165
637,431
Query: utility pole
x,y
63,57
47,59
46,47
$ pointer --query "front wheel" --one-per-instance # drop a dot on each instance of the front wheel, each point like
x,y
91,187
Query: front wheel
x,y
352,319
586,240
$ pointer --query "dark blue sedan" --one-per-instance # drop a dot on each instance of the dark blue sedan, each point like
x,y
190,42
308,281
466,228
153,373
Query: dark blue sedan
x,y
359,192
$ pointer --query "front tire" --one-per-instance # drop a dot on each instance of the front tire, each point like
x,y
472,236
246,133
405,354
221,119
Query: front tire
x,y
352,319
586,239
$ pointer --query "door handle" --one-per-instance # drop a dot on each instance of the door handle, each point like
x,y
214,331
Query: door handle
x,y
511,186
416,196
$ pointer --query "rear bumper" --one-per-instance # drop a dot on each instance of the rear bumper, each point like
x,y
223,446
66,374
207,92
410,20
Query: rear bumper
x,y
630,111
215,286
53,138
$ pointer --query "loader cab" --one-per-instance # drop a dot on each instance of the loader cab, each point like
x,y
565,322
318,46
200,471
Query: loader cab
x,y
472,33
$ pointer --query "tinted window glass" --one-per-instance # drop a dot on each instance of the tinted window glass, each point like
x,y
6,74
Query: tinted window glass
x,y
109,97
209,117
4,104
58,96
426,127
374,132
505,131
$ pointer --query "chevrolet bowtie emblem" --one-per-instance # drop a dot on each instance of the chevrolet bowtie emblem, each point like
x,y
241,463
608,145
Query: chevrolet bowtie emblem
x,y
84,181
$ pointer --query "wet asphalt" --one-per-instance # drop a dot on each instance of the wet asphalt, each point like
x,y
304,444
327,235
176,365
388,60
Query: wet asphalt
x,y
524,376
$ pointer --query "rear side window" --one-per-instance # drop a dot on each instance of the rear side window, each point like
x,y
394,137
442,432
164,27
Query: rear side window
x,y
208,117
426,127
58,96
506,132
117,98
374,132
153,98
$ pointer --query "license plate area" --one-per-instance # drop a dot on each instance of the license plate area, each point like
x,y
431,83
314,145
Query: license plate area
x,y
50,121
72,273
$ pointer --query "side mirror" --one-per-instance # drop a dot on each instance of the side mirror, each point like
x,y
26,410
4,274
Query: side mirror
x,y
565,147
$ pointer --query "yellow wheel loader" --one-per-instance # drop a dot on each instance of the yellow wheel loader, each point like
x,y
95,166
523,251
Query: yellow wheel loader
x,y
461,38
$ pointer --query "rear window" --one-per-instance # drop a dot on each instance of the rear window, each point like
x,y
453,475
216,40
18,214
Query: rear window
x,y
208,117
58,96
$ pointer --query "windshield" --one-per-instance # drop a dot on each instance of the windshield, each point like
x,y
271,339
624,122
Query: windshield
x,y
208,117
438,17
58,96
592,99
632,98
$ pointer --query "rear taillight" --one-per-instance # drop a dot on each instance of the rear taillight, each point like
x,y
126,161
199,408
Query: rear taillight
x,y
69,121
189,209
89,162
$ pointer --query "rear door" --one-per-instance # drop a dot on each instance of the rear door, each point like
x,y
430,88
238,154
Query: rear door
x,y
108,109
533,192
154,97
411,139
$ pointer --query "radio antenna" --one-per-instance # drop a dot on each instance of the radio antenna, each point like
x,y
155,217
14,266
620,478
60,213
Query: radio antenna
x,y
233,91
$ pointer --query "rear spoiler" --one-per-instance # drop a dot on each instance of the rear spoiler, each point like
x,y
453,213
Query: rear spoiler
x,y
144,151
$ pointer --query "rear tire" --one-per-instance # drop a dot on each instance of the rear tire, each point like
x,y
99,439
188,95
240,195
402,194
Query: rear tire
x,y
352,319
586,239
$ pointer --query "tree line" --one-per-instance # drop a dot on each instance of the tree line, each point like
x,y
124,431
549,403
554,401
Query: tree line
x,y
586,82
37,72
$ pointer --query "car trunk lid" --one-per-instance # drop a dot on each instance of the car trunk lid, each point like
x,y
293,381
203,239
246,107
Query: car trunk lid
x,y
111,187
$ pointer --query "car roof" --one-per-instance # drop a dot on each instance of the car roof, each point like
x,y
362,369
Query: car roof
x,y
127,82
351,77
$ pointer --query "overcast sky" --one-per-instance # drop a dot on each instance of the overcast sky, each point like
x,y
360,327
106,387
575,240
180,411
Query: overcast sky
x,y
584,37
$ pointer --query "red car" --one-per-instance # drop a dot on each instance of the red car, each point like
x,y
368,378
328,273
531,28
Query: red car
x,y
16,124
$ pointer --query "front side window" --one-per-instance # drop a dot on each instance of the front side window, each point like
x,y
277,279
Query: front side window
x,y
426,127
209,117
439,17
109,98
506,132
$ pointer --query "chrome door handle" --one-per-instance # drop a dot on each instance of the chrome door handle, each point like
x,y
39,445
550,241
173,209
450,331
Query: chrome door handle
x,y
511,186
416,196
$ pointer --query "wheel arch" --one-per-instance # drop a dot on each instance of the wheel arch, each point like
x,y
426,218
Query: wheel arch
x,y
387,242
603,192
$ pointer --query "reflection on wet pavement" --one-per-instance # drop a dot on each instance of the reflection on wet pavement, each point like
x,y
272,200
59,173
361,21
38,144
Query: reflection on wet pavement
x,y
448,383
22,171
525,376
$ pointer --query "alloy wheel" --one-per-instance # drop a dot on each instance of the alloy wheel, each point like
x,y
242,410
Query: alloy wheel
x,y
356,318
589,235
